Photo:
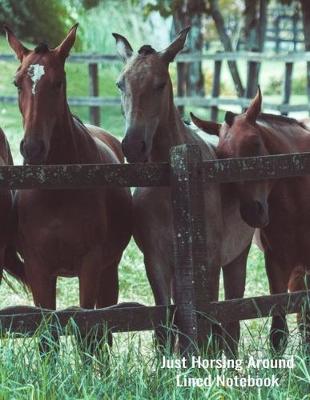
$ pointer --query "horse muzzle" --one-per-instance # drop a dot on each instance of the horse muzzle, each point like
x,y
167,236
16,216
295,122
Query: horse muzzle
x,y
134,150
255,214
33,151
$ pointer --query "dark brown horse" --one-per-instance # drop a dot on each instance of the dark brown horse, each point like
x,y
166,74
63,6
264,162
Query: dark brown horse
x,y
153,127
280,208
80,233
8,257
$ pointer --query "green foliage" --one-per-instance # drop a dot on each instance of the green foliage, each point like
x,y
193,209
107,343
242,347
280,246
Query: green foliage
x,y
36,20
98,23
274,86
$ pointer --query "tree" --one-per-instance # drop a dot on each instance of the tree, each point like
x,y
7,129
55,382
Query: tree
x,y
255,25
226,42
306,25
184,13
36,20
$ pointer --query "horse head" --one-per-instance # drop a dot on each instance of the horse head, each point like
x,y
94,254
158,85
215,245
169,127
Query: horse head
x,y
146,93
41,84
240,136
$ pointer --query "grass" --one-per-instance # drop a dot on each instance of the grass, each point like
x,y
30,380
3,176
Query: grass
x,y
134,370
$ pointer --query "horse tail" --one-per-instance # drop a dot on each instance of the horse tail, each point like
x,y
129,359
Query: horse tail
x,y
15,266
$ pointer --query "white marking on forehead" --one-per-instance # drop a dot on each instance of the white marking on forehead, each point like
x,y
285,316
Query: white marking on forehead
x,y
35,72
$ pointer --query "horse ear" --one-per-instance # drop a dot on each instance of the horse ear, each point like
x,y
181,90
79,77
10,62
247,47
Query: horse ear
x,y
207,126
255,107
177,45
66,45
20,50
123,47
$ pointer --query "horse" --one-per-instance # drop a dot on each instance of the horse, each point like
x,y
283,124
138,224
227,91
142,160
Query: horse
x,y
9,259
280,208
153,127
70,232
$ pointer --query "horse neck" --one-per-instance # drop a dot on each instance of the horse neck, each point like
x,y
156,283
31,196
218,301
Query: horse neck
x,y
67,140
171,132
285,138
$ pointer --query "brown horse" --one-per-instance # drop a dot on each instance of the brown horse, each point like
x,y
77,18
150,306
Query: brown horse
x,y
280,208
153,127
8,257
69,233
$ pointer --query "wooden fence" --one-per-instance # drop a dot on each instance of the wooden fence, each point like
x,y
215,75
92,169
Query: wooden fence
x,y
286,61
188,177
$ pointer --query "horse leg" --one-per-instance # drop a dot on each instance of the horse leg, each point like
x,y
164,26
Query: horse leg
x,y
278,277
160,279
43,290
307,311
88,288
234,275
300,280
108,290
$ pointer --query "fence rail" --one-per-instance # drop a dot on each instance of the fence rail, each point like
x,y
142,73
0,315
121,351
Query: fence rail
x,y
94,101
188,177
81,176
128,317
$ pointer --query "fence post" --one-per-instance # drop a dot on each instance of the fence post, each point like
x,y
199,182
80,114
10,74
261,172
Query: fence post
x,y
190,245
308,82
94,112
181,82
216,87
277,34
252,79
287,85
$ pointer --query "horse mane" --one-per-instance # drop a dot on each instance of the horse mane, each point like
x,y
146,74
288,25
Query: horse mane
x,y
146,49
41,48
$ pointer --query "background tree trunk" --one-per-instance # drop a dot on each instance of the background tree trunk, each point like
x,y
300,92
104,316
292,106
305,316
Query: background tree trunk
x,y
254,38
190,76
195,83
225,39
306,26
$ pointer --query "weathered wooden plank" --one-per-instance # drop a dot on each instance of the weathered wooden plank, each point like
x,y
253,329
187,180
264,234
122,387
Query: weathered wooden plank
x,y
121,318
184,185
256,307
216,87
245,56
257,168
252,75
287,85
151,174
189,57
83,176
75,101
185,101
94,112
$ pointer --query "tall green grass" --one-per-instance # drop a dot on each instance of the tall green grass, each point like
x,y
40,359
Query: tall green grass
x,y
134,372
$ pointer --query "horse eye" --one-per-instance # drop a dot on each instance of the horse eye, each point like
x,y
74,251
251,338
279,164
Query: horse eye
x,y
120,85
